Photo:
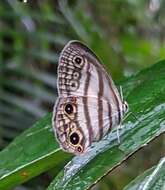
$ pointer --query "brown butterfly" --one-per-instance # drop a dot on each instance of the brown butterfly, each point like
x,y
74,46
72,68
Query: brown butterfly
x,y
89,104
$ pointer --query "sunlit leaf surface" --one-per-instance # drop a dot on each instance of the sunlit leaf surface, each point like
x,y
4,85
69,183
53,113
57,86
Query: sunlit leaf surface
x,y
145,95
30,154
31,37
36,151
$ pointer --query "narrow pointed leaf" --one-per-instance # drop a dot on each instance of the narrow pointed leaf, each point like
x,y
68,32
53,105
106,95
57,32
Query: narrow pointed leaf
x,y
145,95
30,154
35,151
153,178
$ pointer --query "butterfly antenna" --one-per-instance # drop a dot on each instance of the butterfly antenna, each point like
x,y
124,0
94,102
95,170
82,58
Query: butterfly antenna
x,y
121,93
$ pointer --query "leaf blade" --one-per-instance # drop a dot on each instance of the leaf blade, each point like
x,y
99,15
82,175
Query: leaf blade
x,y
152,178
26,157
36,151
150,110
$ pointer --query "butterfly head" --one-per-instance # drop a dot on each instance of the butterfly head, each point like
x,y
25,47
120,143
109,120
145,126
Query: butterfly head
x,y
68,131
125,107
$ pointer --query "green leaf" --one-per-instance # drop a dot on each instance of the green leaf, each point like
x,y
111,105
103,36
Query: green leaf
x,y
36,151
153,178
30,154
145,95
88,31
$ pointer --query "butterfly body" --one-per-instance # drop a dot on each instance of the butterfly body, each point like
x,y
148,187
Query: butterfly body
x,y
89,104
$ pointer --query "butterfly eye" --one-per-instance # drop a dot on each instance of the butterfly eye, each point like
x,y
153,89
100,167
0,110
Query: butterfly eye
x,y
76,75
79,149
69,109
73,85
74,138
78,61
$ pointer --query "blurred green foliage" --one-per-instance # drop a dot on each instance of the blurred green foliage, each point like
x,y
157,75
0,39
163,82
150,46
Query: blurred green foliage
x,y
127,36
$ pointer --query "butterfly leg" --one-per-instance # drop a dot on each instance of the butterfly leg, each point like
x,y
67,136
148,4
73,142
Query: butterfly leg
x,y
118,135
119,126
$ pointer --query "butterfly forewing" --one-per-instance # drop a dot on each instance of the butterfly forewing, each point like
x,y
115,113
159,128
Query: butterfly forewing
x,y
89,104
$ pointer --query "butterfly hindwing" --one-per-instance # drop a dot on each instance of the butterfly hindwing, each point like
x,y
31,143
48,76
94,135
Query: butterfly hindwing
x,y
90,121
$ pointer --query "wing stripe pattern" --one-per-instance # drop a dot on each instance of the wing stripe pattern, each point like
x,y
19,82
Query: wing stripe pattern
x,y
115,97
112,88
110,116
69,73
100,103
85,101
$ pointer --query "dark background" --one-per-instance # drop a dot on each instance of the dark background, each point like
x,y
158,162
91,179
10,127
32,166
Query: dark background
x,y
127,36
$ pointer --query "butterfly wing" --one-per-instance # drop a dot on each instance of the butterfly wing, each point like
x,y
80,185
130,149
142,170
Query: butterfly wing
x,y
89,123
81,77
81,74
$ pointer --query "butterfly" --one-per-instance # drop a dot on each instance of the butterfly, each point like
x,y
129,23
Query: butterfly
x,y
89,105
